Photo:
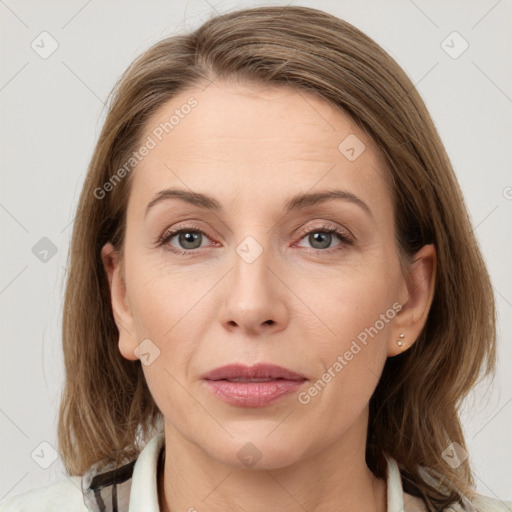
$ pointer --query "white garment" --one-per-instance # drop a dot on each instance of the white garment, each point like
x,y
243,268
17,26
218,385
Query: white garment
x,y
67,495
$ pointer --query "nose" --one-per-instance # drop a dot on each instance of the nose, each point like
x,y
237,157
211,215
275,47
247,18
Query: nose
x,y
254,298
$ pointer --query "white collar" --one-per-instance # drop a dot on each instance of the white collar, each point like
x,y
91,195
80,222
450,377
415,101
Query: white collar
x,y
144,492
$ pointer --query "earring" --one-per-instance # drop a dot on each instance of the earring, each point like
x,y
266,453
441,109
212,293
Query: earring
x,y
400,342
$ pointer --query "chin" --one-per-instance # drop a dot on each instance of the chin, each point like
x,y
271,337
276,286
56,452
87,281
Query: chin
x,y
258,451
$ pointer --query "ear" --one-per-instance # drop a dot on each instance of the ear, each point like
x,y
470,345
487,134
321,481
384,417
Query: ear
x,y
119,300
416,294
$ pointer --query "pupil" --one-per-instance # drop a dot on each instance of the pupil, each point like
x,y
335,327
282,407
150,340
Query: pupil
x,y
318,236
189,238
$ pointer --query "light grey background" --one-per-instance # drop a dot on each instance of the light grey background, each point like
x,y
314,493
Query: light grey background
x,y
51,113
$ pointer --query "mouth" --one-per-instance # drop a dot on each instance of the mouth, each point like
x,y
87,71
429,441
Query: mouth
x,y
259,372
255,386
250,380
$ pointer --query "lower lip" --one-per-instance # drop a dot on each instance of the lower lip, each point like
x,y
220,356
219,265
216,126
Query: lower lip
x,y
252,394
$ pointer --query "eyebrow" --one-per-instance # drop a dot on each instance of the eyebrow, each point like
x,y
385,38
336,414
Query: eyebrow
x,y
300,201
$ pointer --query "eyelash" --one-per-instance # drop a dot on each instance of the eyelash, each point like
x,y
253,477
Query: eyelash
x,y
344,237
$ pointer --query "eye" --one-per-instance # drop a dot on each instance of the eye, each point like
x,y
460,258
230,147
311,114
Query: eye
x,y
188,239
321,237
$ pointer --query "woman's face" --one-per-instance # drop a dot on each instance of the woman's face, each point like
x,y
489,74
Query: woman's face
x,y
256,276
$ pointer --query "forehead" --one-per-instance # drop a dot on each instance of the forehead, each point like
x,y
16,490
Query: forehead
x,y
250,141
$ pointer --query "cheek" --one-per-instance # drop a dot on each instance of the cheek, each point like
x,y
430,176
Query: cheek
x,y
167,308
351,365
161,295
349,333
173,308
346,306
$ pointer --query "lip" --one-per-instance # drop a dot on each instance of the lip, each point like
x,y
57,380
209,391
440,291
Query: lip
x,y
276,384
257,371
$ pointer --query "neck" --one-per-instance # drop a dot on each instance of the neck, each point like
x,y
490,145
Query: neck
x,y
335,479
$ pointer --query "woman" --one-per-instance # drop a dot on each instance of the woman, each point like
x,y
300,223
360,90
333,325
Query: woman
x,y
275,298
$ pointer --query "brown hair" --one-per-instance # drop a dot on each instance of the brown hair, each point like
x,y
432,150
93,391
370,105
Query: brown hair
x,y
107,411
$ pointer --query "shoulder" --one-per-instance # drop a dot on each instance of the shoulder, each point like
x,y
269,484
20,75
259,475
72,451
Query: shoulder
x,y
479,503
483,503
413,504
64,494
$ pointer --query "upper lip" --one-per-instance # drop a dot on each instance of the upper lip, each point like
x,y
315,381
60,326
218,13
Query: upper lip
x,y
257,371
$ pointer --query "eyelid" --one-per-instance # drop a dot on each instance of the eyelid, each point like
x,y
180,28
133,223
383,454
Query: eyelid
x,y
330,227
171,232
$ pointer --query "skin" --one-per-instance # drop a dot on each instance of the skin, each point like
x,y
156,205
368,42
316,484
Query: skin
x,y
252,148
